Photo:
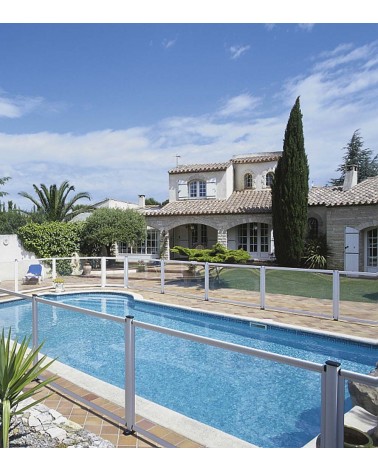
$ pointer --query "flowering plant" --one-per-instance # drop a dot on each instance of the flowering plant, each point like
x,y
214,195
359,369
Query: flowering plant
x,y
58,280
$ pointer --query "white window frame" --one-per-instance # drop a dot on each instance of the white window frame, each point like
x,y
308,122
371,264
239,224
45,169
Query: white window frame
x,y
197,189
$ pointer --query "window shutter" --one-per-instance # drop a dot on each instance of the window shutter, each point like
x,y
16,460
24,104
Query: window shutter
x,y
182,189
211,188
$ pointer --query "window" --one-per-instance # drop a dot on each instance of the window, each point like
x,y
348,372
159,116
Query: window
x,y
254,238
372,248
312,228
198,235
248,181
197,189
269,179
149,246
243,237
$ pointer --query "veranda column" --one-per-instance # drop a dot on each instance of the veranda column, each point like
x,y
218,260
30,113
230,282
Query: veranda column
x,y
164,244
222,237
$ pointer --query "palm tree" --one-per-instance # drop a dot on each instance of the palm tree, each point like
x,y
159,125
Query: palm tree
x,y
52,202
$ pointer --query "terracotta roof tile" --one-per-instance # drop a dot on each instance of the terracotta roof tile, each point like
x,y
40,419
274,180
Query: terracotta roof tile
x,y
244,201
199,168
257,157
364,193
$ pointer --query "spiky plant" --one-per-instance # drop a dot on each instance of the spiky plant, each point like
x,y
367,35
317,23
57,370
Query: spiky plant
x,y
18,368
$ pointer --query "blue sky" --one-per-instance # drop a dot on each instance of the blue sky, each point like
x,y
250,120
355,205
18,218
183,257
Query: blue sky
x,y
108,106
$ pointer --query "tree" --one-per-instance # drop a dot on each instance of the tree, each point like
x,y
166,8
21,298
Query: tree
x,y
51,239
151,201
2,182
11,221
106,226
356,154
290,194
53,205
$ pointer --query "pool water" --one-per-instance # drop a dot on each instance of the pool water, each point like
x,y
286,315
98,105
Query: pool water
x,y
263,402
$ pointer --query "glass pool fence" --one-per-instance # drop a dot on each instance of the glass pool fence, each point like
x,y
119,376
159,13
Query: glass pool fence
x,y
332,376
329,293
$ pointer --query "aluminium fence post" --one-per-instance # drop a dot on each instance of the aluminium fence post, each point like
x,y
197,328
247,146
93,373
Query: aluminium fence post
x,y
34,325
16,275
103,271
125,272
329,405
336,295
262,287
130,373
54,268
162,275
207,271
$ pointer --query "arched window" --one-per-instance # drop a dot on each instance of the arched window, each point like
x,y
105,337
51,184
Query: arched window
x,y
312,228
269,179
248,181
197,189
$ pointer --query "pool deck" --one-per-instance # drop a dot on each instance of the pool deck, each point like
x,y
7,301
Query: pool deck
x,y
108,429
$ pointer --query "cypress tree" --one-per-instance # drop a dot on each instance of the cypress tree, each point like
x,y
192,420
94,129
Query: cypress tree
x,y
290,194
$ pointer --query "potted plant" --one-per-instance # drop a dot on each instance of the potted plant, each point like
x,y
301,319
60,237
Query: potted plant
x,y
58,284
141,266
87,268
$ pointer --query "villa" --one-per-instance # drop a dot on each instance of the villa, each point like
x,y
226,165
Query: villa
x,y
230,203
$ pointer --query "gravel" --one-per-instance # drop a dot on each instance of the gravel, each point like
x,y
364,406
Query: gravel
x,y
40,426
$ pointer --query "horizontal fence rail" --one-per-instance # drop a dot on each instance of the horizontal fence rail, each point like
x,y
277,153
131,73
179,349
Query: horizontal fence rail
x,y
332,376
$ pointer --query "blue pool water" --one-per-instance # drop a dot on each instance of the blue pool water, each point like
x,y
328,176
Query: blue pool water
x,y
262,402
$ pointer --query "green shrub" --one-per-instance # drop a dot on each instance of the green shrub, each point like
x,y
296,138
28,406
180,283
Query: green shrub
x,y
18,368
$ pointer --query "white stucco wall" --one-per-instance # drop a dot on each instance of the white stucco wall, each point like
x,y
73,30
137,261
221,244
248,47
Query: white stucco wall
x,y
10,250
221,179
257,169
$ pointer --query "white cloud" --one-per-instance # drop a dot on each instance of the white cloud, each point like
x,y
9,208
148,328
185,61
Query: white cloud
x,y
168,43
17,107
238,51
239,105
306,26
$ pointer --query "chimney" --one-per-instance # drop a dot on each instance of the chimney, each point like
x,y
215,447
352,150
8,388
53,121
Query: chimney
x,y
350,179
142,201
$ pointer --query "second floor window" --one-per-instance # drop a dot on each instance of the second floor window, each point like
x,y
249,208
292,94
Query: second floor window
x,y
197,189
248,181
269,179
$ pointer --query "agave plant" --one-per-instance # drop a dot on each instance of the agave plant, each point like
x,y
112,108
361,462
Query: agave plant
x,y
18,368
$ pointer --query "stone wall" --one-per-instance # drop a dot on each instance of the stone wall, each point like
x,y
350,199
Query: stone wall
x,y
359,217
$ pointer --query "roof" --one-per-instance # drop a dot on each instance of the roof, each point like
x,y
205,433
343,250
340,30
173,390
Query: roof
x,y
199,168
364,193
260,201
243,201
238,159
256,157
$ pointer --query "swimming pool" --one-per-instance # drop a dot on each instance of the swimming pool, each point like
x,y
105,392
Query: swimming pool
x,y
265,403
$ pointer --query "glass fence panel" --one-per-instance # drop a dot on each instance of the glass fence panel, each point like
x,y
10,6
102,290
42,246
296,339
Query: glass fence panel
x,y
145,274
228,391
86,343
298,290
239,284
185,279
359,296
17,317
